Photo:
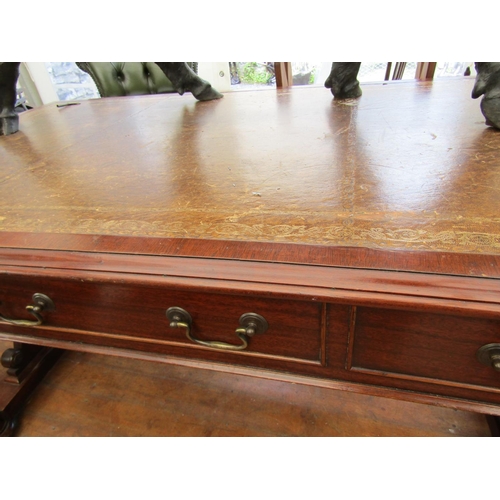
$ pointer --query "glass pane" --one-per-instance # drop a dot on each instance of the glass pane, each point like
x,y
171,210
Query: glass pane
x,y
372,71
409,72
71,82
315,73
376,71
310,73
252,75
445,69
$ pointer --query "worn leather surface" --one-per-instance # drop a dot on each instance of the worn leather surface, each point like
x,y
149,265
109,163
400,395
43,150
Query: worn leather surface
x,y
406,166
127,78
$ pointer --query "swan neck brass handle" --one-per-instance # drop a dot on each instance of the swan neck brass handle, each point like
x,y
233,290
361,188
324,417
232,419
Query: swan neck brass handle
x,y
250,325
489,355
41,303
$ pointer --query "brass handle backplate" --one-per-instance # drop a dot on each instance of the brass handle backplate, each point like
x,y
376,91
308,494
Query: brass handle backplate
x,y
489,355
41,303
250,325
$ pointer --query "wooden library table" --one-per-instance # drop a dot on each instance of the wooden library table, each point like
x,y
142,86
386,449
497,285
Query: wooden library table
x,y
282,234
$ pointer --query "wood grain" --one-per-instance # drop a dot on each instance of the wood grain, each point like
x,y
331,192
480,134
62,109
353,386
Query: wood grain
x,y
287,204
95,395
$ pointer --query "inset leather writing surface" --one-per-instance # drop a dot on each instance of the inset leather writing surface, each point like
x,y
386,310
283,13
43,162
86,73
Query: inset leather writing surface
x,y
407,166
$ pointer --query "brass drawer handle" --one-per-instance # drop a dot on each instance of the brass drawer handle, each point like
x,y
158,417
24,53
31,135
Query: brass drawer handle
x,y
250,324
40,303
489,355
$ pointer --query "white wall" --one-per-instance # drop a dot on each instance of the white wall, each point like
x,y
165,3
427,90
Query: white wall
x,y
217,73
36,80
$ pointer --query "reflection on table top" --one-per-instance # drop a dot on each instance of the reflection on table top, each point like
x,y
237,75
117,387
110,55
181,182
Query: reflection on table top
x,y
407,166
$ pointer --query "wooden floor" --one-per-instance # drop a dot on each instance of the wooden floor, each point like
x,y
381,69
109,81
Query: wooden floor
x,y
95,395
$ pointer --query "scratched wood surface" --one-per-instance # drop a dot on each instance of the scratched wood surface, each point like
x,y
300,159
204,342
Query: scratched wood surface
x,y
95,395
408,166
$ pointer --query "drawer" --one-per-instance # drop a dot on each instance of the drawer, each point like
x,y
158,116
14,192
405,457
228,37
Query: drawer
x,y
423,347
134,316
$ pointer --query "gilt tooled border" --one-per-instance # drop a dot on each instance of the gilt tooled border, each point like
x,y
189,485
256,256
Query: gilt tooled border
x,y
335,235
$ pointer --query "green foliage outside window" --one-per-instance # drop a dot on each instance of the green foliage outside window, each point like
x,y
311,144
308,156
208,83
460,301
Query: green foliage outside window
x,y
254,72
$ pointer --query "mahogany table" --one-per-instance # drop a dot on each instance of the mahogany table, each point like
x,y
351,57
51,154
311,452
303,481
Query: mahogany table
x,y
352,245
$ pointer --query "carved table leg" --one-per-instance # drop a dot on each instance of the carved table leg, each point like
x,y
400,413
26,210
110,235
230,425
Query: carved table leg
x,y
9,121
26,366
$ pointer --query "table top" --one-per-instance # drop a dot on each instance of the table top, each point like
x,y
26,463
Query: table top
x,y
408,169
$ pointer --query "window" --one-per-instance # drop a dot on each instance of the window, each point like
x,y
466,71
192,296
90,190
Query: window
x,y
252,75
71,82
447,69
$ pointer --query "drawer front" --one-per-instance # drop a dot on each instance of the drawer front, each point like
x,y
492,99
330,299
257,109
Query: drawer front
x,y
134,316
423,347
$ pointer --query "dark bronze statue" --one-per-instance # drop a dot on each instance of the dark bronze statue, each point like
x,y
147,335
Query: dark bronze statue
x,y
342,81
183,78
9,121
488,84
344,84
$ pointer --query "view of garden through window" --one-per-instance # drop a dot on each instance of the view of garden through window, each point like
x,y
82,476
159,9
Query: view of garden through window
x,y
248,75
